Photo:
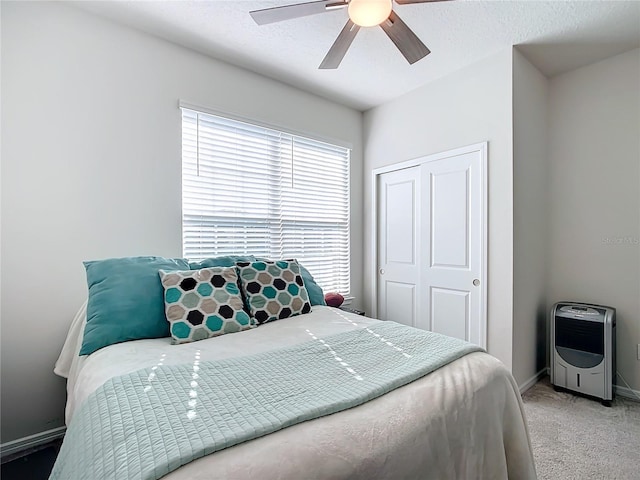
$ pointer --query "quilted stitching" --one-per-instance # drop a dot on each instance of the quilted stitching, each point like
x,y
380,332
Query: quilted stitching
x,y
123,431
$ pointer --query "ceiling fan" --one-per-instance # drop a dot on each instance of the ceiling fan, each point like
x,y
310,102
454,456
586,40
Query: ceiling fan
x,y
362,13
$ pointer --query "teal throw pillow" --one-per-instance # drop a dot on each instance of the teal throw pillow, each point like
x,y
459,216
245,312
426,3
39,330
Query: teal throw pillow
x,y
125,300
274,290
203,303
226,261
316,295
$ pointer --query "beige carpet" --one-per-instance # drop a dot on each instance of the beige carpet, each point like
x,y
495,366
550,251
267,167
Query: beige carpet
x,y
578,438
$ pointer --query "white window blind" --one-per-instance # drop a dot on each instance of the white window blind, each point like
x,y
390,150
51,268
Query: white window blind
x,y
248,189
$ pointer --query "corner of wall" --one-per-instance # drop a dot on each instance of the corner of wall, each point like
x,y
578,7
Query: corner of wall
x,y
530,219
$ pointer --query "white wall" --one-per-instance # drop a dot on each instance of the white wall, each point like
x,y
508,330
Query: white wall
x,y
470,106
594,147
91,145
530,219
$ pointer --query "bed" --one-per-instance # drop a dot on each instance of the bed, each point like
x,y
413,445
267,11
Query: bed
x,y
464,420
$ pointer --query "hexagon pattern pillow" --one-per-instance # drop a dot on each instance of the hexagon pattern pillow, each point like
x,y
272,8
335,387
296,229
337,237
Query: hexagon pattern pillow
x,y
273,290
203,303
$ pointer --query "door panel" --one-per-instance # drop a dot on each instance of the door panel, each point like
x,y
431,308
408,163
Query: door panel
x,y
450,312
400,217
401,302
450,219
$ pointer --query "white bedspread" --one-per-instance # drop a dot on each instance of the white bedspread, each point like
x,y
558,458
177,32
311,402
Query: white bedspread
x,y
463,421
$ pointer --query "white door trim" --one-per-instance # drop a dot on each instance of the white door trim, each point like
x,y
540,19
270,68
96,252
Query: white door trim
x,y
477,147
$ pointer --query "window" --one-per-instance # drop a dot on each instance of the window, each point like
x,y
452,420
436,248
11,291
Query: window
x,y
248,189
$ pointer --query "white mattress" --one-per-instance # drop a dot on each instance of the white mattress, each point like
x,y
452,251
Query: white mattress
x,y
463,421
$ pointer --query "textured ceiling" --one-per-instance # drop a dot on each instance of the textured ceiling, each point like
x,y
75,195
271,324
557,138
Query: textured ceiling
x,y
555,35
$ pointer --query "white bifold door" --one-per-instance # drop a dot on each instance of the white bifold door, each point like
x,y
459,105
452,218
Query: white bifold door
x,y
430,238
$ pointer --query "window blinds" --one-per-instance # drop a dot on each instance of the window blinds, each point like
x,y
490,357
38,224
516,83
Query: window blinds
x,y
248,189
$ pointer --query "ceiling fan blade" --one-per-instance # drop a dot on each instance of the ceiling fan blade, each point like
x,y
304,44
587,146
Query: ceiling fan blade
x,y
405,2
339,48
407,42
287,12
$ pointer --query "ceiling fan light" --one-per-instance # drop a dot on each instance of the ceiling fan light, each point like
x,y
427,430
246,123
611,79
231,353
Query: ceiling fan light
x,y
369,13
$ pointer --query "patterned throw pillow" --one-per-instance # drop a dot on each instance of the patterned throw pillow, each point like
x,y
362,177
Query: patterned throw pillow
x,y
273,290
203,303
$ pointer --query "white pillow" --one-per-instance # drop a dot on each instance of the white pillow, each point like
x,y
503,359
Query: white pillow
x,y
69,355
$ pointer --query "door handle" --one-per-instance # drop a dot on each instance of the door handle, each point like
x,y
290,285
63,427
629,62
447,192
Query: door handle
x,y
381,271
476,282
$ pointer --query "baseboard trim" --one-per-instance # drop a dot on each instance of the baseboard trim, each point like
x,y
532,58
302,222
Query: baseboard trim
x,y
532,381
32,441
627,393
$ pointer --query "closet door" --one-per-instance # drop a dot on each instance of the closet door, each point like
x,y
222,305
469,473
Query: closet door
x,y
453,246
431,246
399,211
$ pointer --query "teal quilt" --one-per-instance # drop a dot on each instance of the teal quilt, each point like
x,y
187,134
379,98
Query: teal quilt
x,y
148,423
